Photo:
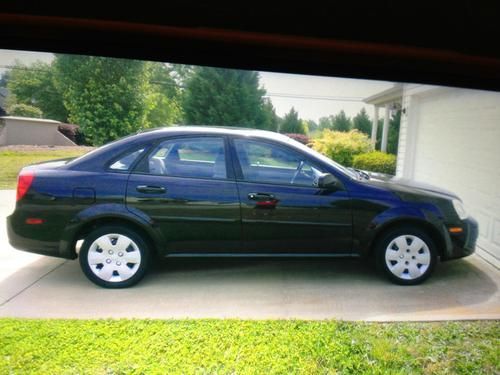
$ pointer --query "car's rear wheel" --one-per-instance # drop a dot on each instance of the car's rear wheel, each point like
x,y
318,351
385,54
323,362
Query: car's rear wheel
x,y
406,255
114,257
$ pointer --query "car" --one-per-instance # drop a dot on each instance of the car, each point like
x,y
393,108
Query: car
x,y
191,191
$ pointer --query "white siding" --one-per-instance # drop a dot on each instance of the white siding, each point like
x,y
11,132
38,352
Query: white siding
x,y
457,146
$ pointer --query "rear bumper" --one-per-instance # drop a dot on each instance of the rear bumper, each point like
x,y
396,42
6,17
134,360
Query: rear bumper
x,y
15,231
462,244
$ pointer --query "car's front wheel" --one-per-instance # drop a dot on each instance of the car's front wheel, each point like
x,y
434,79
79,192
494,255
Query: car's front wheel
x,y
406,255
114,257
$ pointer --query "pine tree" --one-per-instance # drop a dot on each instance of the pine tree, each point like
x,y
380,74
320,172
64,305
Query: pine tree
x,y
292,123
341,122
362,122
217,96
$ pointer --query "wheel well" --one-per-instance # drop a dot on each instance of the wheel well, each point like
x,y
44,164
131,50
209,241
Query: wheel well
x,y
426,227
94,224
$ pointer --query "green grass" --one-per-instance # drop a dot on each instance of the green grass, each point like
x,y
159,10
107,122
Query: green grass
x,y
246,347
11,162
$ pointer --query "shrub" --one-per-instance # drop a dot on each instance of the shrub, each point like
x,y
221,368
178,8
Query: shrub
x,y
342,146
25,110
72,132
302,138
376,161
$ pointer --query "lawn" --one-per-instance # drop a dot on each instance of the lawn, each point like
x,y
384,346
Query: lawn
x,y
247,347
13,159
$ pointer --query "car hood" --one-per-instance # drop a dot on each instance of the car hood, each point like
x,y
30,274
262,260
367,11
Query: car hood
x,y
405,185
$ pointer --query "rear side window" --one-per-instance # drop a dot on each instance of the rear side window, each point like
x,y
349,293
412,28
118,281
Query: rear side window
x,y
125,162
202,157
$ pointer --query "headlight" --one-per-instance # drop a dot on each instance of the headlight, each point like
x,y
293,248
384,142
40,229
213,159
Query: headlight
x,y
460,209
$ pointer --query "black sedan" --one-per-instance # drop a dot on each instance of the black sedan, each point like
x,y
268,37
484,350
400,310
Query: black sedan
x,y
208,191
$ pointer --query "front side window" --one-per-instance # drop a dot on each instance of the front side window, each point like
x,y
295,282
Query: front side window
x,y
269,163
202,157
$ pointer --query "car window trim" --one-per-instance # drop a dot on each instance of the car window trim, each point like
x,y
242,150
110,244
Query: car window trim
x,y
229,166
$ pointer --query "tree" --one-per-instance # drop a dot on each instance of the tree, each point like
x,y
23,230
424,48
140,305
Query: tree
x,y
341,122
34,86
325,123
165,96
362,122
180,73
107,97
312,125
217,96
25,110
271,119
393,136
292,124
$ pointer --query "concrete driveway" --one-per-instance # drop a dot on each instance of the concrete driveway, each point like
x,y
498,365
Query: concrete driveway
x,y
43,287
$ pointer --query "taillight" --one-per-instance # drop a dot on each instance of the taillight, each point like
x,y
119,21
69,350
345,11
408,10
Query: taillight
x,y
24,182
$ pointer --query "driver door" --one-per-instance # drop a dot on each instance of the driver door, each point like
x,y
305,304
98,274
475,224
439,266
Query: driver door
x,y
282,211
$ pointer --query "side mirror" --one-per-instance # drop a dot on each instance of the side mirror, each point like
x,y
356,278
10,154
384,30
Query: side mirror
x,y
328,181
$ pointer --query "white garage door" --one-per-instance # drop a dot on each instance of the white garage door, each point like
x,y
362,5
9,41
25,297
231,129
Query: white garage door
x,y
458,147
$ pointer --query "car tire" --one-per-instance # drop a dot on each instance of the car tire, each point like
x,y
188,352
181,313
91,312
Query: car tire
x,y
114,257
406,255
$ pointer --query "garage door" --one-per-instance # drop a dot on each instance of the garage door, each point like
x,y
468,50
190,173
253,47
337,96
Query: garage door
x,y
458,147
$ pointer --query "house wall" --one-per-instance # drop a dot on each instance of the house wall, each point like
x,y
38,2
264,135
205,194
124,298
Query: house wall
x,y
3,133
451,138
27,131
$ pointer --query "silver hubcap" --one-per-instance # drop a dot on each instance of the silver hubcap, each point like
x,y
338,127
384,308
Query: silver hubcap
x,y
407,257
114,257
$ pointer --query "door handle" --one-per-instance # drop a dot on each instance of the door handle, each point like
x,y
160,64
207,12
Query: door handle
x,y
263,200
260,196
148,189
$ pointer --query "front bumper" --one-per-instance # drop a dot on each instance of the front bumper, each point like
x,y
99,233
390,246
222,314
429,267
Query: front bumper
x,y
462,244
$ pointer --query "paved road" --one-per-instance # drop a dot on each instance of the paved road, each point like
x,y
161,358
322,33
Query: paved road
x,y
41,287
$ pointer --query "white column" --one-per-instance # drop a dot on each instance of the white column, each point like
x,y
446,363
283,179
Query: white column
x,y
412,129
385,129
374,126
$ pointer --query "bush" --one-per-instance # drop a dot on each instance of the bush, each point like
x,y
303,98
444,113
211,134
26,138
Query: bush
x,y
376,161
302,138
73,132
342,146
25,110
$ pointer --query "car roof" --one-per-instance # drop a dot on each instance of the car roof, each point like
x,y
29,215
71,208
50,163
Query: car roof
x,y
215,130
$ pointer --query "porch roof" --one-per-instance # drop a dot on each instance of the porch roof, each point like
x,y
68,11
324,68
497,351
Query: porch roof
x,y
387,96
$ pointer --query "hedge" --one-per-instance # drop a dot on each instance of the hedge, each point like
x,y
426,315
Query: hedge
x,y
342,146
376,161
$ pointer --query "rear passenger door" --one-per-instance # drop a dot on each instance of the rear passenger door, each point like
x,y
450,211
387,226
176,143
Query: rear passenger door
x,y
187,187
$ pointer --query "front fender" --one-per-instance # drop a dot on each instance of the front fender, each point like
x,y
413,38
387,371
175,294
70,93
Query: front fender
x,y
107,211
428,217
